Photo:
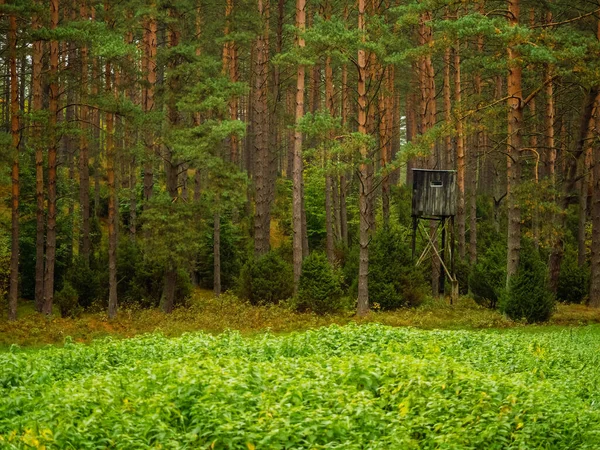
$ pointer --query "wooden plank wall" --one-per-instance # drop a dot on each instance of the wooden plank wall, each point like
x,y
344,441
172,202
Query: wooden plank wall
x,y
430,199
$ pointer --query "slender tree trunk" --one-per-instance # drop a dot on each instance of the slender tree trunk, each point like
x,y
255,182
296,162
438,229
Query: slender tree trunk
x,y
52,151
461,213
262,178
329,215
112,217
515,123
345,107
150,47
447,94
384,146
297,194
14,131
36,67
84,174
364,187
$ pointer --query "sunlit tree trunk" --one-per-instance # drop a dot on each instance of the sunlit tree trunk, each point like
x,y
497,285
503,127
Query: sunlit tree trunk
x,y
150,48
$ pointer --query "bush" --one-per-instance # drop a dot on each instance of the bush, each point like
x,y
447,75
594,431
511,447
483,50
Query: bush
x,y
529,296
573,281
267,279
86,281
394,281
488,276
319,287
462,270
68,301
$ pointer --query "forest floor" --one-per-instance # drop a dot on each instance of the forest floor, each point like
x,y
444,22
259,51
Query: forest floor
x,y
206,313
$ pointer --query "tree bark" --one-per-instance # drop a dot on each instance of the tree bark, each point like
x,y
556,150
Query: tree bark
x,y
150,47
515,123
297,183
364,178
36,68
262,178
14,131
329,215
112,216
52,151
461,213
84,174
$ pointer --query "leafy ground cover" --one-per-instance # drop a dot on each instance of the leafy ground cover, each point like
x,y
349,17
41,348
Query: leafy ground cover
x,y
217,315
351,387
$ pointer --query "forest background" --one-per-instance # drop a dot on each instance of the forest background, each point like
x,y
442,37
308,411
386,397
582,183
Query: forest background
x,y
266,147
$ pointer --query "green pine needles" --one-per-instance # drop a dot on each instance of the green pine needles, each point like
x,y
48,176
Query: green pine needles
x,y
529,296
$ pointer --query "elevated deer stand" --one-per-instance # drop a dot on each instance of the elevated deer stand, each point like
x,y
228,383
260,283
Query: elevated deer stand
x,y
434,199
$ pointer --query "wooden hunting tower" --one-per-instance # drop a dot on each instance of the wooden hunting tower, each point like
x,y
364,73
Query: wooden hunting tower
x,y
434,193
434,200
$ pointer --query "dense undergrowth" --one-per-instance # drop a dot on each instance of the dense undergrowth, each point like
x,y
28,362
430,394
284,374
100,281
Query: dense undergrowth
x,y
213,315
352,387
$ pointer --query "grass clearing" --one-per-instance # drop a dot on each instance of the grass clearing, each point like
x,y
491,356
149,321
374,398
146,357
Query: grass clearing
x,y
352,387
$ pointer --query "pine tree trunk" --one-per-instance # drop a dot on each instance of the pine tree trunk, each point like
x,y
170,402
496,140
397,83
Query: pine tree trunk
x,y
515,122
447,93
262,178
363,193
461,213
84,174
345,107
112,216
52,151
329,215
150,48
297,183
36,67
14,131
385,151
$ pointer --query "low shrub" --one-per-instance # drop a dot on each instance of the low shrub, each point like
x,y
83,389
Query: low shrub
x,y
394,281
67,300
267,279
529,296
319,288
488,276
573,281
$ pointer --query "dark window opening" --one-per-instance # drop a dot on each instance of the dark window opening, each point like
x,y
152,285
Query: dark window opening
x,y
436,184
